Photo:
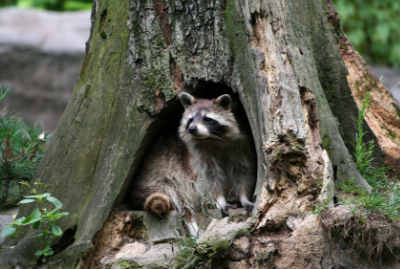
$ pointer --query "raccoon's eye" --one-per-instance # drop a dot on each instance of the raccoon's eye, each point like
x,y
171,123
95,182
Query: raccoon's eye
x,y
189,121
208,119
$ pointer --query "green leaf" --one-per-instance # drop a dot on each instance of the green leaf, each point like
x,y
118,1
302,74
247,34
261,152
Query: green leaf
x,y
56,230
14,235
8,230
39,253
51,252
19,221
59,215
36,225
39,196
46,249
24,183
26,201
55,201
33,217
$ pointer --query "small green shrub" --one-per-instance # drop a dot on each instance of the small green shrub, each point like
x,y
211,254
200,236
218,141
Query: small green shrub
x,y
384,198
21,149
43,218
187,247
320,208
364,151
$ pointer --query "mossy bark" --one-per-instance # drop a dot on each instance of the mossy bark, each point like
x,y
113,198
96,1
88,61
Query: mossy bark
x,y
282,59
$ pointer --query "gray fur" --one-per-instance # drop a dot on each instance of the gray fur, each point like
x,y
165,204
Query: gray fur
x,y
186,99
209,166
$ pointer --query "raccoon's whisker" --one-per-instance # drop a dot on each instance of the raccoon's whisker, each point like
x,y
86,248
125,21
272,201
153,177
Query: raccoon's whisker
x,y
216,138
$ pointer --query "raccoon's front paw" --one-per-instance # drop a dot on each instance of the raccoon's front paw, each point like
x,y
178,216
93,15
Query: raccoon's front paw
x,y
225,209
248,206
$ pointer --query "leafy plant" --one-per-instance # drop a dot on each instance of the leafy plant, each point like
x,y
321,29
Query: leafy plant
x,y
369,224
348,186
320,208
364,151
385,195
42,218
187,247
21,149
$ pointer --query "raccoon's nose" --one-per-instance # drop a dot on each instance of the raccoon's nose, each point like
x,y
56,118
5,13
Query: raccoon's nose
x,y
193,130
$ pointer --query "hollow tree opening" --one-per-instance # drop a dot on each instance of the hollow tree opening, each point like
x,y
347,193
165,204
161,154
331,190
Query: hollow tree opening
x,y
127,225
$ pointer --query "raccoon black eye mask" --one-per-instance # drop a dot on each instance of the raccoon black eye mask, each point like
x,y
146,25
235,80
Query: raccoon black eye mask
x,y
222,154
212,150
211,125
214,126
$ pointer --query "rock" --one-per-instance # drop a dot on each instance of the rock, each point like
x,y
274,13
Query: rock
x,y
219,235
295,220
235,255
238,214
41,54
162,231
242,244
159,255
131,250
266,252
236,265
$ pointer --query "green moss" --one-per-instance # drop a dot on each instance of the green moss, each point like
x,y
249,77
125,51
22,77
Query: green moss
x,y
326,144
318,184
392,135
103,34
243,57
87,91
396,109
155,61
276,155
128,265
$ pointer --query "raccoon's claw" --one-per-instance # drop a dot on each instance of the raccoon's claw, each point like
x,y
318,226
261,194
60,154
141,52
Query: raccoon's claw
x,y
249,206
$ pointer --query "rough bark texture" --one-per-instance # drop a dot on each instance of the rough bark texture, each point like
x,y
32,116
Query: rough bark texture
x,y
383,117
280,57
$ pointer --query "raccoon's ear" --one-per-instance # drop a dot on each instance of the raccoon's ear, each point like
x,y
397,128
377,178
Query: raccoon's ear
x,y
224,101
186,99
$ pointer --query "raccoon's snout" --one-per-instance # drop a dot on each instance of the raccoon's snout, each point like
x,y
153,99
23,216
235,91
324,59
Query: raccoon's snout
x,y
193,130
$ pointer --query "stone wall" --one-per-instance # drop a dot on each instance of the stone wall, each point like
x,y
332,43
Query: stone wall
x,y
40,59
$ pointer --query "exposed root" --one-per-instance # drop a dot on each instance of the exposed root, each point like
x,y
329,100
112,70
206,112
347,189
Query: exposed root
x,y
372,232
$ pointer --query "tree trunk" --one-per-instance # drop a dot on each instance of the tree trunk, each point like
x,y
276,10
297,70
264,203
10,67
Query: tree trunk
x,y
284,62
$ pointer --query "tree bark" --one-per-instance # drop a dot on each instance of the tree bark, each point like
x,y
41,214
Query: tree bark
x,y
280,57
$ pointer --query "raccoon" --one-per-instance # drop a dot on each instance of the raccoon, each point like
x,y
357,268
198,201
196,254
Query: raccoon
x,y
221,149
211,152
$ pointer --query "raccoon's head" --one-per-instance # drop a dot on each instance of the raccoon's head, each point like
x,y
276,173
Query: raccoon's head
x,y
207,119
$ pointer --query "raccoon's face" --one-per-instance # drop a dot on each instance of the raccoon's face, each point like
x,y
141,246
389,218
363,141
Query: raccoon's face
x,y
205,119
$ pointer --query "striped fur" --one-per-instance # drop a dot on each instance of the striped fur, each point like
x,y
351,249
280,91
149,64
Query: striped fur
x,y
211,154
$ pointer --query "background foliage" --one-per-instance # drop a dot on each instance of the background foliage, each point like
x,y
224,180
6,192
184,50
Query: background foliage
x,y
373,28
56,5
